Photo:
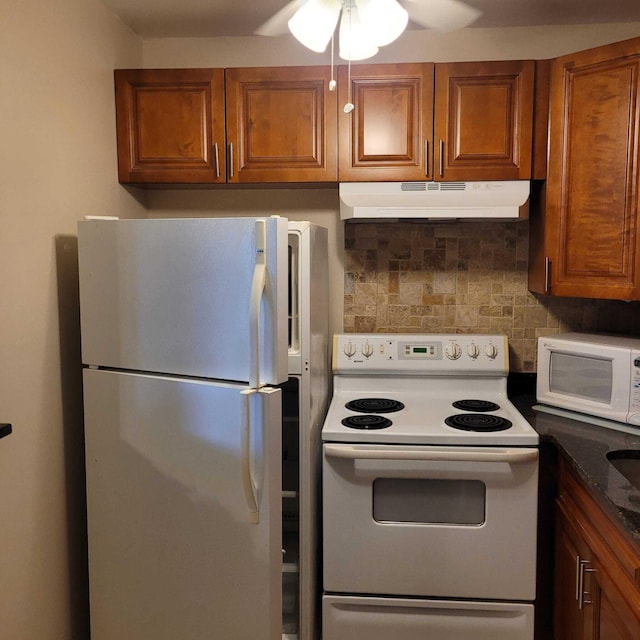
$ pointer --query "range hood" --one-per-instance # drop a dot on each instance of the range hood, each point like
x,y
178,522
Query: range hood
x,y
434,200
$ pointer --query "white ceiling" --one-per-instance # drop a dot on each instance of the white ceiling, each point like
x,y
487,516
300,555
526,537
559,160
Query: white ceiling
x,y
213,18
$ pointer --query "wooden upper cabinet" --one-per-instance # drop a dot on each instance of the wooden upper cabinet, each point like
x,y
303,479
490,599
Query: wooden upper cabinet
x,y
444,122
483,120
388,135
585,236
281,125
170,125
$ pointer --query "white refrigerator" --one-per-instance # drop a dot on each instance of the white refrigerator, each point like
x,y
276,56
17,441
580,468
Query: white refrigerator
x,y
206,374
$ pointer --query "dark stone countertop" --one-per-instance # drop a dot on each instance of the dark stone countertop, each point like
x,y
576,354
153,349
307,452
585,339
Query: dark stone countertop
x,y
585,447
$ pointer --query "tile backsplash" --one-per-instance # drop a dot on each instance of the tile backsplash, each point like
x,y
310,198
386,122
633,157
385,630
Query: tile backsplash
x,y
462,277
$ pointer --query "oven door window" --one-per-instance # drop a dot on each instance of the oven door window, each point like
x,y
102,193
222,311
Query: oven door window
x,y
429,501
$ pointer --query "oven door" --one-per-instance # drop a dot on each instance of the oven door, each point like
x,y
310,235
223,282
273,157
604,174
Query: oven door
x,y
366,618
454,522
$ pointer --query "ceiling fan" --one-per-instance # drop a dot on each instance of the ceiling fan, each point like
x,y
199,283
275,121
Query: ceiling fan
x,y
365,25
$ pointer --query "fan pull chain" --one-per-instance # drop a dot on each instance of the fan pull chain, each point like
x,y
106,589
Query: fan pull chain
x,y
332,82
348,108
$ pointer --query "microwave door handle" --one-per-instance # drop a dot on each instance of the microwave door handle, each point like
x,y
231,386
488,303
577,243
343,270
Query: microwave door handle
x,y
357,453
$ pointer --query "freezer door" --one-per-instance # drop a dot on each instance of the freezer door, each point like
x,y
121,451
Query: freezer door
x,y
175,471
186,297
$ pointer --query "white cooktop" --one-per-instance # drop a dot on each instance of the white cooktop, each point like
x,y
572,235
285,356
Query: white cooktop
x,y
427,373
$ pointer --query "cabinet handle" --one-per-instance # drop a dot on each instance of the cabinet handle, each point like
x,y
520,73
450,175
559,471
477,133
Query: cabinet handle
x,y
587,593
582,569
5,429
426,157
441,158
547,274
217,158
231,159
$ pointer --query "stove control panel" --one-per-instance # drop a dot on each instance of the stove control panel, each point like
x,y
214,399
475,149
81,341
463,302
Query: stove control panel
x,y
430,354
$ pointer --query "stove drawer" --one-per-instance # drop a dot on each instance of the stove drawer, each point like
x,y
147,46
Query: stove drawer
x,y
364,618
451,522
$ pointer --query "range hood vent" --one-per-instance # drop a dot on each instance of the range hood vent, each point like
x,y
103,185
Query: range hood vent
x,y
434,200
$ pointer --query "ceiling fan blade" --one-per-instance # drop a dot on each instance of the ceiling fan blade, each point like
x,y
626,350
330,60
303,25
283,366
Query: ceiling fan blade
x,y
443,15
277,25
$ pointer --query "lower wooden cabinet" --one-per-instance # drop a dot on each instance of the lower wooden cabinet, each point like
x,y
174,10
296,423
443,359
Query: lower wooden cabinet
x,y
572,617
597,570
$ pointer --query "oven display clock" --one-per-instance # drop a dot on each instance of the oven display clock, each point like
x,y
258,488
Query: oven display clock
x,y
421,351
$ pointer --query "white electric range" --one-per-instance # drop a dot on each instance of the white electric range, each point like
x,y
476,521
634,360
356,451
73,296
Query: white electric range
x,y
430,479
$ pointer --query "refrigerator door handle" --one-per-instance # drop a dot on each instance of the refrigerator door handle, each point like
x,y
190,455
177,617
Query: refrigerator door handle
x,y
257,291
248,481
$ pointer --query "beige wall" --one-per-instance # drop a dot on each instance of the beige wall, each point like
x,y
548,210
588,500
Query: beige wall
x,y
57,164
414,46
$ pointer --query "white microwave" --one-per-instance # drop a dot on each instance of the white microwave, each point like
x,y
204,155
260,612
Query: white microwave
x,y
595,375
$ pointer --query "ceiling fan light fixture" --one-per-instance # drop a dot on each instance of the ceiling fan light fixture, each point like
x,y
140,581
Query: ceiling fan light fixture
x,y
385,20
314,23
355,40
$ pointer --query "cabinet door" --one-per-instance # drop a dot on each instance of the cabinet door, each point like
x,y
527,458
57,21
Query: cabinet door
x,y
388,135
483,120
616,619
573,618
596,590
591,214
281,125
170,125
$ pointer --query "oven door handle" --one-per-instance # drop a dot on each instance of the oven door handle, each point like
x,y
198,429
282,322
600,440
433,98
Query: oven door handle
x,y
358,453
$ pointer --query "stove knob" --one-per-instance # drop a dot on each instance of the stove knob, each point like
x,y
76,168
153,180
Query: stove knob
x,y
491,351
473,350
453,351
367,350
349,349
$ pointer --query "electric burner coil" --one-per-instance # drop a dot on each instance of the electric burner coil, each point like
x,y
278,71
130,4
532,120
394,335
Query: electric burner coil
x,y
477,406
367,422
480,422
374,405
